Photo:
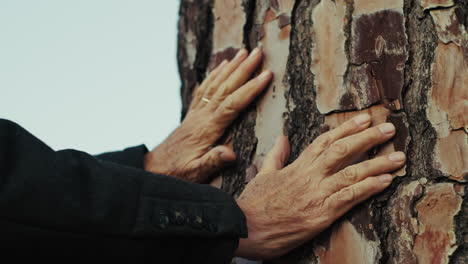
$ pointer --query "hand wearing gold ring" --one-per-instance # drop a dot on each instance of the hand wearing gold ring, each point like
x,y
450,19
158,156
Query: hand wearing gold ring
x,y
188,153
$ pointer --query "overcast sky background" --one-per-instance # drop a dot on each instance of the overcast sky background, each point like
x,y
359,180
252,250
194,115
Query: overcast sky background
x,y
94,75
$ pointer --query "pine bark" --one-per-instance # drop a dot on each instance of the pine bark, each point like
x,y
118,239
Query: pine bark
x,y
402,61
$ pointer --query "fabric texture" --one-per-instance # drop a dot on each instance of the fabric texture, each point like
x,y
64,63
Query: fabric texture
x,y
131,157
69,203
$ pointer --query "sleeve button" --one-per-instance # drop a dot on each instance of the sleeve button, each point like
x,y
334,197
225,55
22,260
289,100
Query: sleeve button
x,y
163,222
178,218
197,222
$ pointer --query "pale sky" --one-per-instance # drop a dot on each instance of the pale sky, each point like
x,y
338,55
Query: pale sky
x,y
93,75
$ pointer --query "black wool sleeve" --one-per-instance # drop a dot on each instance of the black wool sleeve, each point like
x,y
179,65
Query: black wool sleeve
x,y
68,195
131,157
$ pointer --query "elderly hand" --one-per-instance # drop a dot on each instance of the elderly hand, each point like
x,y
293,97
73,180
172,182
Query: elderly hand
x,y
189,152
285,207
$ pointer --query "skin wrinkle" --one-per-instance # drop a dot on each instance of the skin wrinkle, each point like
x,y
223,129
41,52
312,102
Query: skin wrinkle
x,y
289,209
188,151
284,207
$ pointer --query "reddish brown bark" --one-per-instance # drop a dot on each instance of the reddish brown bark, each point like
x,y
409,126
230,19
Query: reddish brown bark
x,y
402,61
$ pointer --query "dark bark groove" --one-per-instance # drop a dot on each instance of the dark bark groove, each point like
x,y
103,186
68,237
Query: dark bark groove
x,y
377,222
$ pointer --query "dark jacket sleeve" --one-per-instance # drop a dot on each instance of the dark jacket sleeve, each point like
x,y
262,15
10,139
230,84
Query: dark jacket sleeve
x,y
131,157
80,204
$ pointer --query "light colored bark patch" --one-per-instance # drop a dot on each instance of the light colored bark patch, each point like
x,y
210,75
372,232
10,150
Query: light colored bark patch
x,y
428,4
451,154
370,6
449,28
329,60
285,6
228,30
448,96
229,23
191,47
271,107
447,110
348,246
284,32
403,225
436,240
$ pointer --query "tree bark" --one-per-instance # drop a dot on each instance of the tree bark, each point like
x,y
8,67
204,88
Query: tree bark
x,y
402,61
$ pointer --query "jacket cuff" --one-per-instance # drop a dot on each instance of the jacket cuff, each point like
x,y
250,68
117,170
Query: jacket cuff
x,y
199,210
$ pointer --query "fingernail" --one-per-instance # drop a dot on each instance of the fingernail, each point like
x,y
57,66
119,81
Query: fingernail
x,y
254,52
240,53
362,119
265,75
397,156
387,178
387,128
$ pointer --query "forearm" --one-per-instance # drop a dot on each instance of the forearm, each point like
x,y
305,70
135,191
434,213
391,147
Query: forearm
x,y
73,191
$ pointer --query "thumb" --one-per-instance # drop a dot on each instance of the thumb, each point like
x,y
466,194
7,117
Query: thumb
x,y
215,159
276,158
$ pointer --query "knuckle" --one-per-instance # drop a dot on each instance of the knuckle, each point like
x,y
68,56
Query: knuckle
x,y
225,89
323,140
376,133
346,195
339,148
350,126
229,106
209,165
228,109
196,92
350,174
365,165
210,90
325,215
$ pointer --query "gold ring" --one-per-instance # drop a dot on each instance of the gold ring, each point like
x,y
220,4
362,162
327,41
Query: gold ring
x,y
205,100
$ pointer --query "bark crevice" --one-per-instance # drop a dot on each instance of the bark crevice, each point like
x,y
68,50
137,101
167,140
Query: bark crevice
x,y
378,222
242,130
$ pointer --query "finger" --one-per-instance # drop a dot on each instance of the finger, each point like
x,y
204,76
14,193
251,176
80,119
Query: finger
x,y
225,73
240,99
345,199
213,160
202,88
276,158
356,173
239,76
323,142
346,148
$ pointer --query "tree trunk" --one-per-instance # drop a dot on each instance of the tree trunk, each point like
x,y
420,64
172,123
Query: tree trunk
x,y
402,61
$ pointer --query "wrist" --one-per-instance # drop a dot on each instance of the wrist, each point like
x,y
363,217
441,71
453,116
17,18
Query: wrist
x,y
249,247
155,161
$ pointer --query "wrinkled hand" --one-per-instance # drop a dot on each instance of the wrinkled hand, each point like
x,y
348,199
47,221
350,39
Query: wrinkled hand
x,y
285,207
188,153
